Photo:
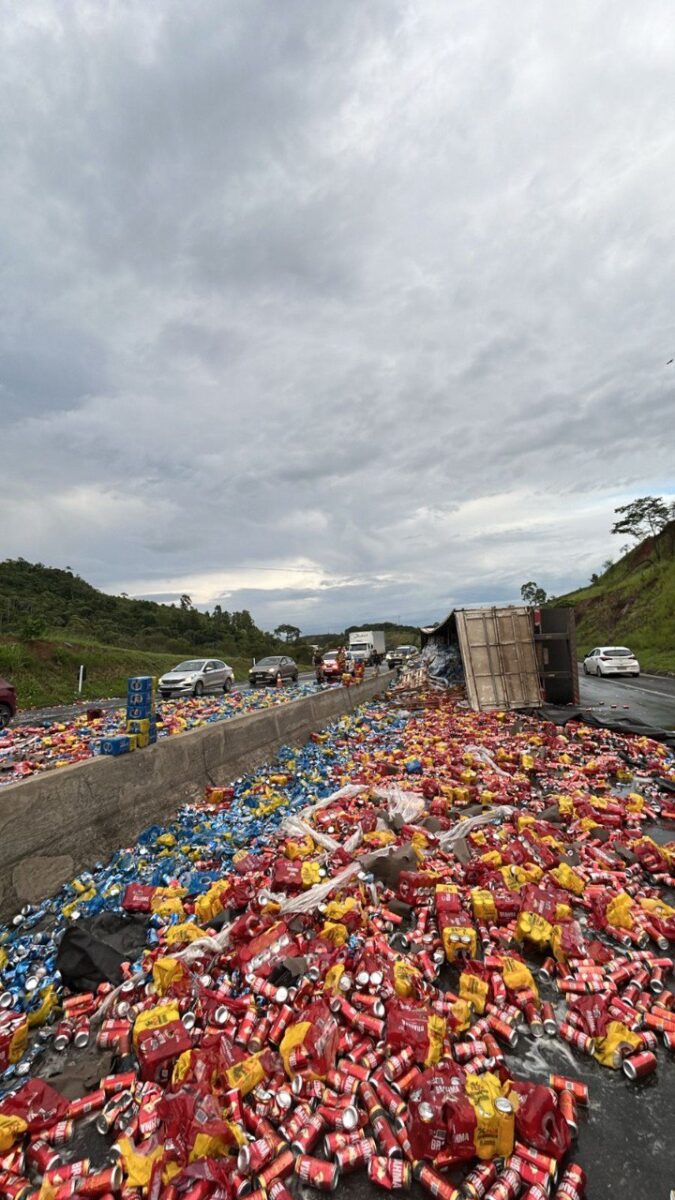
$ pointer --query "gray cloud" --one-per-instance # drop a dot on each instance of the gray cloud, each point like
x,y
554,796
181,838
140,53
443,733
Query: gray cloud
x,y
379,291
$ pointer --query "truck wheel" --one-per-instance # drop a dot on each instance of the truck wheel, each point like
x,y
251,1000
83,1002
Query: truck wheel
x,y
5,715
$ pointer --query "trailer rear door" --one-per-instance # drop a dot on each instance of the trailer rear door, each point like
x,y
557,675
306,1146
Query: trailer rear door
x,y
500,663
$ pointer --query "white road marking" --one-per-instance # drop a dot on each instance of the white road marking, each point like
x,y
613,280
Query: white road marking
x,y
632,687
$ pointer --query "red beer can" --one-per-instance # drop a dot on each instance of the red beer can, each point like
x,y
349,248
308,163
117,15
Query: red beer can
x,y
384,1137
309,1134
637,1066
42,1156
392,1101
567,1102
85,1105
317,1172
358,1154
100,1182
338,1139
14,1187
346,1118
278,1191
280,1168
479,1181
575,1037
391,1173
398,1064
572,1183
433,1183
507,1187
560,1083
255,1155
59,1134
67,1171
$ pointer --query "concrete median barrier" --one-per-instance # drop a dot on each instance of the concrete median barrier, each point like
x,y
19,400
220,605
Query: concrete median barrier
x,y
54,825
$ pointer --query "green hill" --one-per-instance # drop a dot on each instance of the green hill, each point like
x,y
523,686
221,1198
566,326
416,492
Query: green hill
x,y
633,603
51,620
395,635
45,673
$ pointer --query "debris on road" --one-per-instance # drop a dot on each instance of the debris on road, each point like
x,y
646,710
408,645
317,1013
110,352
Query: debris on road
x,y
349,959
27,749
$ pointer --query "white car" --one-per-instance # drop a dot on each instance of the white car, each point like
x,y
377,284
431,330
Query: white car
x,y
196,676
611,660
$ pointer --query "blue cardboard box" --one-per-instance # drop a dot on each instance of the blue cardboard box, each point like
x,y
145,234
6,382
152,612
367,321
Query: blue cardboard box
x,y
139,685
123,743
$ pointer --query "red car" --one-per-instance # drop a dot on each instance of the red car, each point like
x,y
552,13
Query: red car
x,y
7,702
331,669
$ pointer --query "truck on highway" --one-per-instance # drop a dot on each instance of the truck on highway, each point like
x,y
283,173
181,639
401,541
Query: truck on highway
x,y
364,645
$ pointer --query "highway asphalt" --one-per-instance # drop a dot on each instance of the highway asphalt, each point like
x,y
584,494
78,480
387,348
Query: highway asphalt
x,y
650,698
66,712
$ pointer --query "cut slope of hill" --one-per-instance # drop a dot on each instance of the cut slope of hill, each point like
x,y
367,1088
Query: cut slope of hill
x,y
633,603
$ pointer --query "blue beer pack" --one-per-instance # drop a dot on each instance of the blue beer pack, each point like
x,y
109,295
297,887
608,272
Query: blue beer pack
x,y
140,685
140,697
122,743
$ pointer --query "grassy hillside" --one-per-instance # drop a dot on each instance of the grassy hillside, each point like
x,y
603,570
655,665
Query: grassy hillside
x,y
51,620
38,602
46,672
633,603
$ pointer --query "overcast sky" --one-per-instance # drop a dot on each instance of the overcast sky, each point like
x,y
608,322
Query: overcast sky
x,y
334,309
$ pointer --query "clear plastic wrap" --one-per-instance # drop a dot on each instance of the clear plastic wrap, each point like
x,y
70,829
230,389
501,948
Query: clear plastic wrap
x,y
464,827
409,806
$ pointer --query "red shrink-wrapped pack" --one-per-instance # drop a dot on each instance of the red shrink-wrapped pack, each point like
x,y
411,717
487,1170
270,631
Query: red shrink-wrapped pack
x,y
412,1024
159,1048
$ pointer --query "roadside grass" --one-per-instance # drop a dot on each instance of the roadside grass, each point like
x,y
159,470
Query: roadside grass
x,y
632,604
46,672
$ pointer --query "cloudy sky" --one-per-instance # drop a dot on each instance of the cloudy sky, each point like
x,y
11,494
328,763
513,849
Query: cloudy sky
x,y
334,310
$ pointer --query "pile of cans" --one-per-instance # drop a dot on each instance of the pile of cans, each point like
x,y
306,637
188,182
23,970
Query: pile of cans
x,y
28,749
348,955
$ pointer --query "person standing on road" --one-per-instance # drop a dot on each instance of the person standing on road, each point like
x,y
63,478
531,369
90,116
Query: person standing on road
x,y
317,663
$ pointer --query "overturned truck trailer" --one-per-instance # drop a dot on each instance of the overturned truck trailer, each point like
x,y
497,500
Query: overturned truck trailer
x,y
499,656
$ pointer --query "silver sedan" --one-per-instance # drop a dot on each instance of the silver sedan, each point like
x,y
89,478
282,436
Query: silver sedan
x,y
196,676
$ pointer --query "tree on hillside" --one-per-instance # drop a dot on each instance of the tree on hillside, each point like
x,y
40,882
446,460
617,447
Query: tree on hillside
x,y
644,517
532,593
289,633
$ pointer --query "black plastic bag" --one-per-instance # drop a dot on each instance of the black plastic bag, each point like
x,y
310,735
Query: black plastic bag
x,y
93,951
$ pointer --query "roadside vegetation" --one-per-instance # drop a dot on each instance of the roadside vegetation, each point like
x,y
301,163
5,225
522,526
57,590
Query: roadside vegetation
x,y
632,601
52,621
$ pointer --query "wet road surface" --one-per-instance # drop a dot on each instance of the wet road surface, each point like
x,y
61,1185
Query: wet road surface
x,y
68,712
650,698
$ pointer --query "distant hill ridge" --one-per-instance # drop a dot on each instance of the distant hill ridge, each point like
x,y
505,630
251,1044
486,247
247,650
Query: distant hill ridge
x,y
38,601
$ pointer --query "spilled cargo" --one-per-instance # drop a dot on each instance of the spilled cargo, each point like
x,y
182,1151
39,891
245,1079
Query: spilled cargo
x,y
412,952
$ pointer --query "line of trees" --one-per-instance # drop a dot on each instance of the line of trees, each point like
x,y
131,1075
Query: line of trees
x,y
36,601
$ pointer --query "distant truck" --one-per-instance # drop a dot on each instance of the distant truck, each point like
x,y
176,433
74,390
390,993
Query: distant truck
x,y
363,646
